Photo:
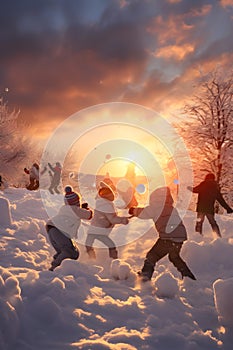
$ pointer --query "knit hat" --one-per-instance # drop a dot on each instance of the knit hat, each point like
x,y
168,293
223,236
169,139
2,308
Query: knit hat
x,y
210,176
71,198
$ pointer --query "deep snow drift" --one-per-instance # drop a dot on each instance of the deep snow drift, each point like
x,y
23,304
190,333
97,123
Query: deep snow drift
x,y
101,304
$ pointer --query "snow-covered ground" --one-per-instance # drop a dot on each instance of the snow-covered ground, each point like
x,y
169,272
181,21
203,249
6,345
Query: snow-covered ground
x,y
102,305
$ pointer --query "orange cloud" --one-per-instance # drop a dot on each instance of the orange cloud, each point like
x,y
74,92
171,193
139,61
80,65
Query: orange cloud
x,y
174,51
226,3
175,27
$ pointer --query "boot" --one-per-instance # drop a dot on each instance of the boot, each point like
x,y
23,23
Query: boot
x,y
91,252
187,273
143,276
113,253
147,271
198,227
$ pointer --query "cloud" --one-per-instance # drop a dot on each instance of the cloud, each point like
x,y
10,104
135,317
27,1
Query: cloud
x,y
59,57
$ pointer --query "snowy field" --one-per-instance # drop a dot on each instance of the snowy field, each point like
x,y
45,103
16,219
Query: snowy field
x,y
83,305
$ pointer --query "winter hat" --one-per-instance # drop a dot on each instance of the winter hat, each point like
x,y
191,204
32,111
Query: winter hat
x,y
71,198
105,191
210,176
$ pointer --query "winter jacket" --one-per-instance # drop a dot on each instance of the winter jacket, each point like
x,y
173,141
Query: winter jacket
x,y
57,172
166,218
208,192
33,172
105,217
68,219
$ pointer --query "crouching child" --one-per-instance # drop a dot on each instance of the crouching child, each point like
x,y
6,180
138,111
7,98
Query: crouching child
x,y
63,227
171,230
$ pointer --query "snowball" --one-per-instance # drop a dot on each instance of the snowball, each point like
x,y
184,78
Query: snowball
x,y
114,268
166,286
123,271
5,217
120,270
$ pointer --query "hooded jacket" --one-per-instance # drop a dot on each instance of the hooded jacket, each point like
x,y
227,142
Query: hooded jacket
x,y
68,219
208,192
105,217
166,218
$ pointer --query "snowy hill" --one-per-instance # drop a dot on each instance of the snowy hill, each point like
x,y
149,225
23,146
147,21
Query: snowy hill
x,y
102,305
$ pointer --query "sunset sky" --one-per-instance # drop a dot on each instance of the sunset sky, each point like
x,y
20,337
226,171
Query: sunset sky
x,y
58,57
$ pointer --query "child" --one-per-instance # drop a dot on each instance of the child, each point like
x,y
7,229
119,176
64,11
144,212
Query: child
x,y
63,227
104,219
55,177
33,173
172,233
208,192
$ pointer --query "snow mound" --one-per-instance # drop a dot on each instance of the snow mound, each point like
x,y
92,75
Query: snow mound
x,y
223,291
5,217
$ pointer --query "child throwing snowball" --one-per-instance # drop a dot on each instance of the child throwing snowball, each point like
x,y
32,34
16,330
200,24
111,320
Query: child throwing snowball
x,y
172,233
104,219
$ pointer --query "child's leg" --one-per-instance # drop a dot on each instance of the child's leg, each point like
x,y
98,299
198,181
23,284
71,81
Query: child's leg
x,y
36,185
31,184
199,222
110,244
157,252
174,257
89,242
213,224
63,245
56,190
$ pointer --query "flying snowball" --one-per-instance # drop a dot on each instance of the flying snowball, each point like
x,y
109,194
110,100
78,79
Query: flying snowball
x,y
141,188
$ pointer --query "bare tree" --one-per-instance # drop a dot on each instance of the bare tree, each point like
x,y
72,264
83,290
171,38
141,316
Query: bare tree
x,y
208,129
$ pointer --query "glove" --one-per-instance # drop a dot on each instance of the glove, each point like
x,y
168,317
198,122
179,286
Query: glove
x,y
85,206
131,211
229,211
125,221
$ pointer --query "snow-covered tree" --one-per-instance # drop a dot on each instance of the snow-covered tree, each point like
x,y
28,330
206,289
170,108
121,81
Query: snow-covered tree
x,y
16,148
208,127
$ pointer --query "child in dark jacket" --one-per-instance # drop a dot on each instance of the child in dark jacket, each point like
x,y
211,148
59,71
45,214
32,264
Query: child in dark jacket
x,y
172,233
208,192
63,227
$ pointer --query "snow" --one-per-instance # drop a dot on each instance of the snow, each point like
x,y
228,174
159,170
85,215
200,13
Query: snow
x,y
102,304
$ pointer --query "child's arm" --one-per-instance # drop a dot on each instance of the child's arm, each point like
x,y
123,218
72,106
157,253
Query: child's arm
x,y
223,203
82,213
26,170
51,167
142,213
114,219
195,189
